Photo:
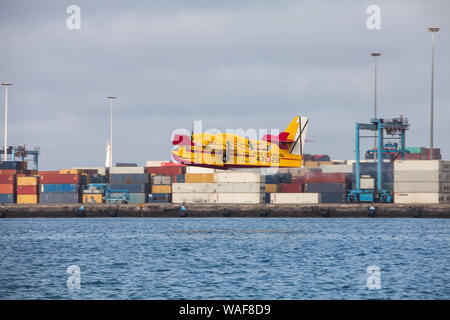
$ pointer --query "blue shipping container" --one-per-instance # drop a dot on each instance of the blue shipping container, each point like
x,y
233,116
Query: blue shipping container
x,y
7,198
60,188
160,197
59,198
129,178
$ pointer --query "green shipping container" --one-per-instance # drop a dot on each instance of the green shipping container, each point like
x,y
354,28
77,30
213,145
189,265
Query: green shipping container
x,y
414,149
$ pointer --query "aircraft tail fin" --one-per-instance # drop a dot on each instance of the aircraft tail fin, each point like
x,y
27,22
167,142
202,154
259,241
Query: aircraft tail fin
x,y
296,132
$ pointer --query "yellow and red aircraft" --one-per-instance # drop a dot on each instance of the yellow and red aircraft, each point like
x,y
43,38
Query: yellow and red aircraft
x,y
225,150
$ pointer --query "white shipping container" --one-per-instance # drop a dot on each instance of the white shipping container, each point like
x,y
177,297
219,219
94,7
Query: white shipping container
x,y
367,183
421,187
337,168
421,165
409,198
219,187
126,170
294,198
193,197
247,177
152,163
193,169
430,176
193,187
239,197
239,187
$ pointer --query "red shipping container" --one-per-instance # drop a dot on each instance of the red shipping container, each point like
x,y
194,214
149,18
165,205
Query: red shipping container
x,y
27,190
59,178
48,172
291,188
7,188
8,172
7,178
167,170
325,177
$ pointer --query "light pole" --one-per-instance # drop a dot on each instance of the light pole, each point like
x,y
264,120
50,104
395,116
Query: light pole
x,y
432,30
6,85
375,55
111,98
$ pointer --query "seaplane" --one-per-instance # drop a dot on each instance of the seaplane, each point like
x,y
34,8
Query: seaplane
x,y
229,150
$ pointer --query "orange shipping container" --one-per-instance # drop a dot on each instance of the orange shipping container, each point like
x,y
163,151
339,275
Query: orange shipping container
x,y
93,198
199,177
27,181
27,198
7,188
70,171
8,171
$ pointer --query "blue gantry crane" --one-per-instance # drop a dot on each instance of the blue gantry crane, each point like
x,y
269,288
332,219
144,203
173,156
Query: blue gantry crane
x,y
396,129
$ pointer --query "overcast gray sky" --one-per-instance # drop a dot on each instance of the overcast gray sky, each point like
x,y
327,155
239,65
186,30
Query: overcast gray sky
x,y
232,64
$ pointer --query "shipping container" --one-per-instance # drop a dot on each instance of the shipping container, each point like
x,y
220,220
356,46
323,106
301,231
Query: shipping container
x,y
7,198
325,187
193,169
239,197
332,197
337,168
272,188
62,178
70,171
135,197
193,197
59,188
199,177
27,190
278,178
59,197
126,170
7,178
129,178
94,170
425,176
93,198
97,178
152,163
306,198
161,189
239,187
130,188
320,177
7,188
410,198
422,187
168,170
422,165
13,165
160,179
367,183
160,198
8,172
27,198
27,181
180,178
247,177
291,188
193,187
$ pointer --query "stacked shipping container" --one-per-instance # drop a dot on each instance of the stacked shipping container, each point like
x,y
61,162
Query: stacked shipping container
x,y
27,189
422,181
